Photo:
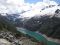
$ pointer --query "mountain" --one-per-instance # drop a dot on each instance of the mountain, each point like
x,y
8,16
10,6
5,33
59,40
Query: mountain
x,y
46,24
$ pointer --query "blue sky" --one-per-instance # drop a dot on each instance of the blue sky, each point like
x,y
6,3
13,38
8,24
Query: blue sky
x,y
58,1
34,1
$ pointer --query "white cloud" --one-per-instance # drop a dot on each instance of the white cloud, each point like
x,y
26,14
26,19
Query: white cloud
x,y
17,6
16,2
13,6
36,8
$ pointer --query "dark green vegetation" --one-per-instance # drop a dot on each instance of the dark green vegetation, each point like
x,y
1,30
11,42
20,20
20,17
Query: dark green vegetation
x,y
6,24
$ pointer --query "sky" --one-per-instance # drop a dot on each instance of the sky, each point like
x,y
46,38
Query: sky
x,y
34,1
31,7
58,1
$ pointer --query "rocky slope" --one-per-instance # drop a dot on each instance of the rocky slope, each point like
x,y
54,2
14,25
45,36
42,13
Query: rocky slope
x,y
9,38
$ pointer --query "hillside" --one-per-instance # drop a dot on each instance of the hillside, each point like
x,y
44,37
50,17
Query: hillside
x,y
6,24
47,25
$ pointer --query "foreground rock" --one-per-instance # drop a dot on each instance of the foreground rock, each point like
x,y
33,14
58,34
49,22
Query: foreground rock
x,y
4,42
8,38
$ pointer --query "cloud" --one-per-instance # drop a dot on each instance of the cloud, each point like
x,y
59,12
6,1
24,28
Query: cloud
x,y
17,6
36,9
13,6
